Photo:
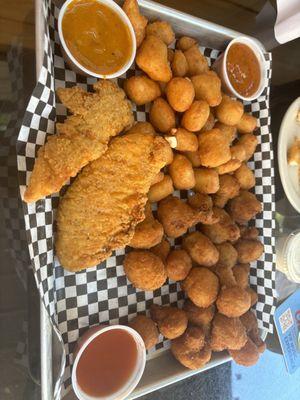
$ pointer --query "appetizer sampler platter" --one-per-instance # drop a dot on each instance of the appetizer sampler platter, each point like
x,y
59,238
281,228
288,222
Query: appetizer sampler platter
x,y
75,301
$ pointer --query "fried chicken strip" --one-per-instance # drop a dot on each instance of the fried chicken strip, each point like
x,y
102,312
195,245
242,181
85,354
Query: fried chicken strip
x,y
82,138
104,204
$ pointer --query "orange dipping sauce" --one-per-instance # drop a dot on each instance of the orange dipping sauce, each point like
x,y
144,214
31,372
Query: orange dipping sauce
x,y
243,69
96,36
107,363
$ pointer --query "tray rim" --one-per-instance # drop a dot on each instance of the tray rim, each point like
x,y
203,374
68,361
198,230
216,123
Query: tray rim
x,y
46,328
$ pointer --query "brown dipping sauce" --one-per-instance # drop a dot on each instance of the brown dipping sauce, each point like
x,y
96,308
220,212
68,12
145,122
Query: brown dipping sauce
x,y
243,69
107,363
96,36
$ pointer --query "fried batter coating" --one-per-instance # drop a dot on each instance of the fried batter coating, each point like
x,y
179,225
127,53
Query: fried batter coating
x,y
209,124
229,188
230,166
147,329
142,127
141,89
229,132
199,316
162,250
196,116
162,116
213,148
171,321
190,349
247,124
208,87
207,180
102,207
178,265
138,21
176,216
229,111
161,190
82,138
225,275
245,177
179,64
185,43
241,273
248,250
248,355
185,140
161,29
144,270
249,321
201,286
249,233
233,302
244,207
227,333
197,62
180,93
253,295
249,142
148,233
182,173
201,249
227,254
222,231
204,205
152,58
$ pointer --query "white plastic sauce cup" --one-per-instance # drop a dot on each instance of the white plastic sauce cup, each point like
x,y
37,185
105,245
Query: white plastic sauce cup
x,y
71,60
136,375
288,256
220,67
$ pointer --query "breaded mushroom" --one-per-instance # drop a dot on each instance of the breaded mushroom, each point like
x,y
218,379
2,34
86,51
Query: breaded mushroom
x,y
229,188
171,321
227,333
199,316
208,87
241,273
137,20
144,270
244,207
185,43
206,180
178,264
201,286
162,250
222,231
229,111
233,302
190,349
147,329
161,29
248,355
248,250
245,177
148,233
197,62
227,254
213,148
201,249
141,89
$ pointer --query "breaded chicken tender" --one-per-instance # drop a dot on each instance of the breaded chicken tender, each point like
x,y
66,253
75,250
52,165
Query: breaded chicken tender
x,y
102,207
244,207
141,89
233,301
176,216
147,329
227,333
222,231
248,250
144,270
137,20
201,249
82,138
152,58
178,264
190,349
148,233
171,321
248,355
213,148
161,29
201,286
199,316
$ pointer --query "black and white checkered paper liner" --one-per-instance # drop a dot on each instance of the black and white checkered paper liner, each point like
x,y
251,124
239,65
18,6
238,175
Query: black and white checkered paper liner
x,y
103,294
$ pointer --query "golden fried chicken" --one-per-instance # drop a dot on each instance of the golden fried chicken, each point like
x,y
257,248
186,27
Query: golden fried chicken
x,y
82,138
101,209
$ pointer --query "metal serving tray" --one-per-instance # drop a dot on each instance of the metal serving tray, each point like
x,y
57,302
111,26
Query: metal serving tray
x,y
161,370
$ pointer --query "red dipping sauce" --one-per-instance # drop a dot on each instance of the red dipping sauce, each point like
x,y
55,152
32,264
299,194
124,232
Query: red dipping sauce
x,y
107,363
